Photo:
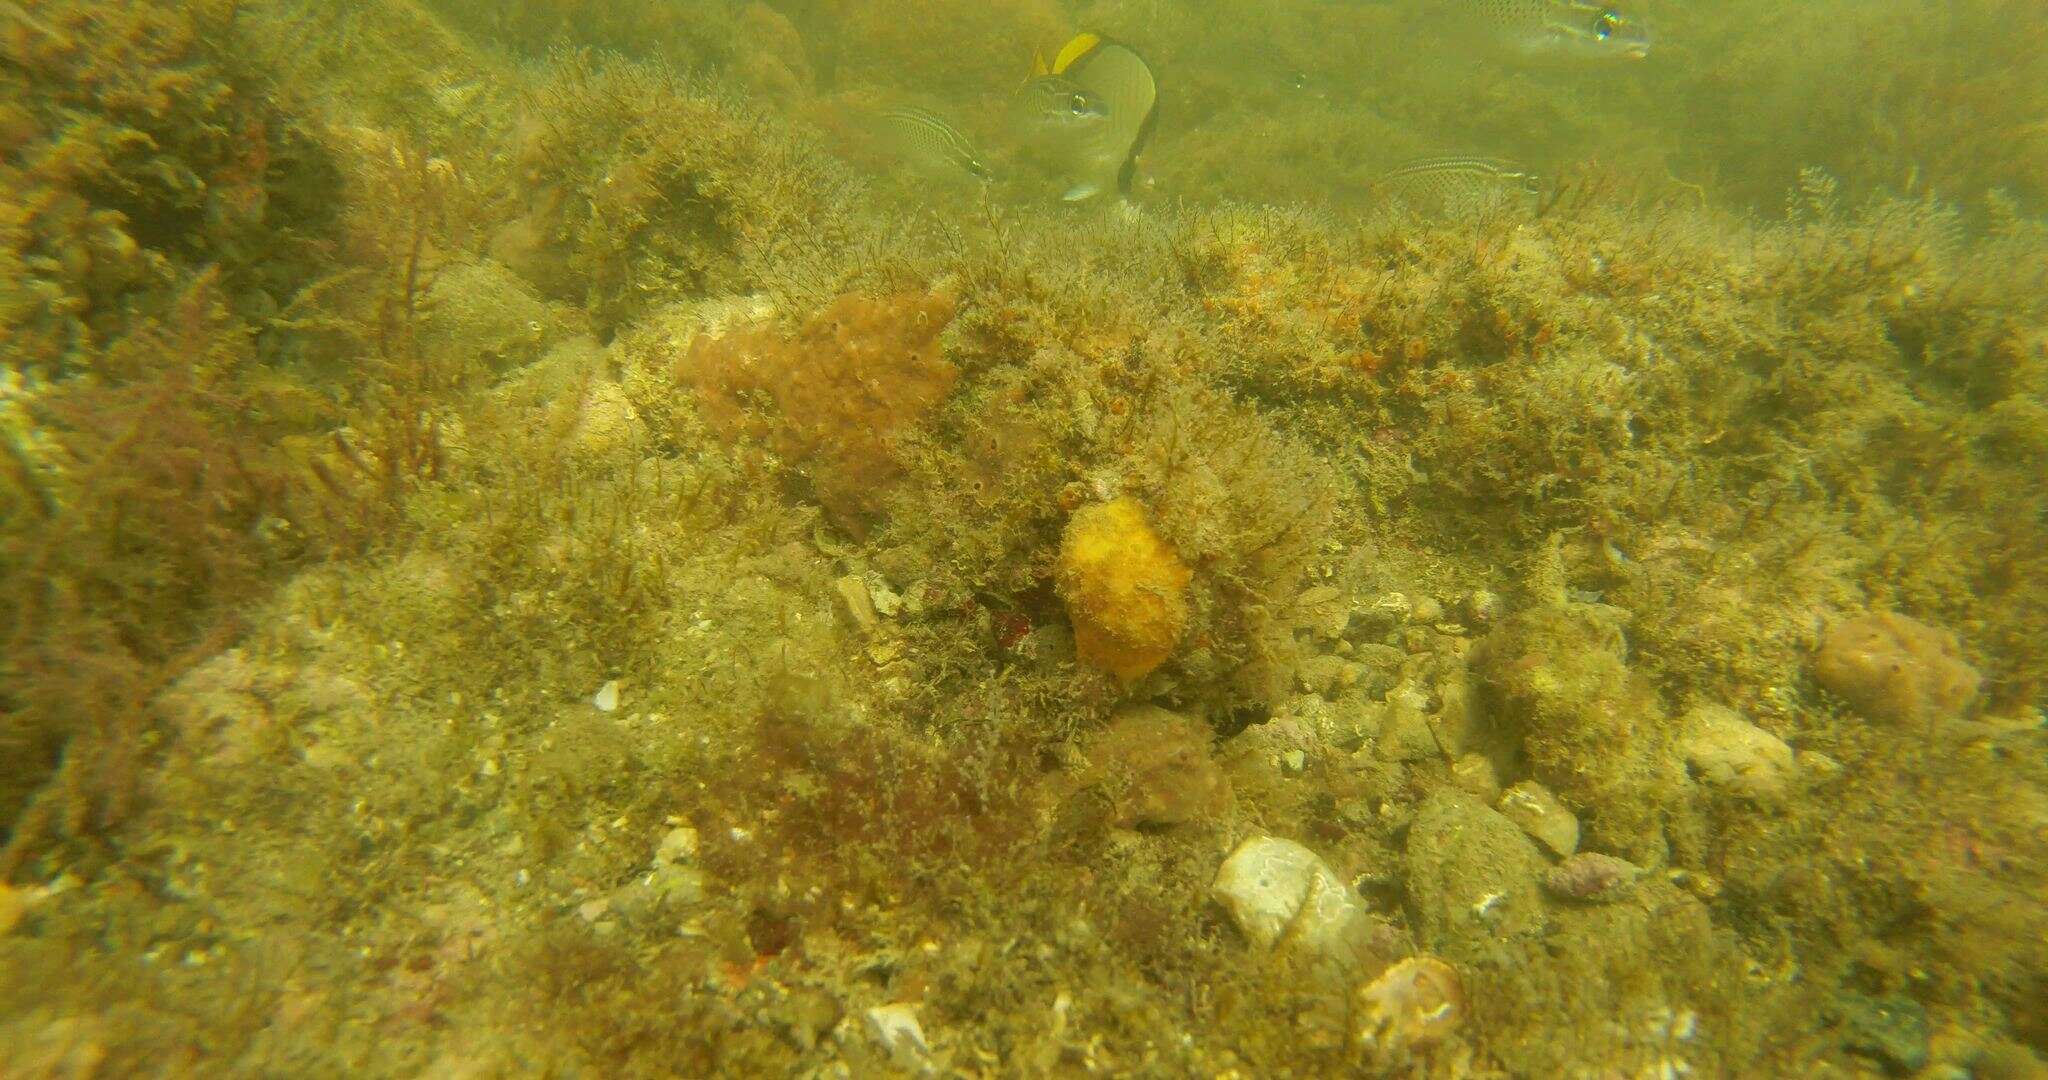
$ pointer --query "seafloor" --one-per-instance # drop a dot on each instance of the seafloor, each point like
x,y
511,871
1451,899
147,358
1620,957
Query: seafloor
x,y
529,546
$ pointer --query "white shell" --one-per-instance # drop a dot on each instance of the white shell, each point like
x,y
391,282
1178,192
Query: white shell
x,y
1278,890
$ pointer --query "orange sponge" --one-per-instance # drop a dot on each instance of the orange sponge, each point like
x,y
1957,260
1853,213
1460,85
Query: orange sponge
x,y
1125,588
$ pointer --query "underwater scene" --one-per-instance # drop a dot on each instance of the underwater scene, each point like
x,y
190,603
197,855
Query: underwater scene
x,y
1225,539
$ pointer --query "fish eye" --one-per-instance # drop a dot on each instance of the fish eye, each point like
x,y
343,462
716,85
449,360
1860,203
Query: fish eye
x,y
1606,23
1080,105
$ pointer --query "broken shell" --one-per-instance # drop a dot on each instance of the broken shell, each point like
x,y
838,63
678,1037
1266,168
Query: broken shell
x,y
1411,1006
1592,877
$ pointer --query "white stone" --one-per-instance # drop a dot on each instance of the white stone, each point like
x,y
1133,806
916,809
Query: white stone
x,y
1279,891
607,697
896,1028
1533,807
1727,752
678,845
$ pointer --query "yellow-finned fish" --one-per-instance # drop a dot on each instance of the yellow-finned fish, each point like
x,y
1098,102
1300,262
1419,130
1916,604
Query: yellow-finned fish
x,y
932,145
1089,112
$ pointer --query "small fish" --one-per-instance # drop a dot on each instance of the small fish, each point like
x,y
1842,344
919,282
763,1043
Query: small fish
x,y
1054,106
1561,30
932,145
1092,109
1458,184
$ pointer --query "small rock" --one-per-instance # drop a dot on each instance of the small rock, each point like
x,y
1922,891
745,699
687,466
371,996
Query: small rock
x,y
1411,1007
1476,775
1817,765
1890,667
1157,763
896,1029
1426,610
1730,753
1591,877
1325,675
1279,892
1482,607
607,697
1893,1029
886,601
1472,876
1324,611
678,845
1404,730
1533,807
857,601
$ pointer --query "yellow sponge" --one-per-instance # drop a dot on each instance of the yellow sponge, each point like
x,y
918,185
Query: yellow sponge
x,y
1125,588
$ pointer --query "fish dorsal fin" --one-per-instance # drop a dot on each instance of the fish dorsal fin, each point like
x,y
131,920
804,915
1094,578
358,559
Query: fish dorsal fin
x,y
1083,44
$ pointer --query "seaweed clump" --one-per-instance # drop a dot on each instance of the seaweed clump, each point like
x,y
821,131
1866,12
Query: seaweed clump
x,y
151,512
834,398
641,187
132,155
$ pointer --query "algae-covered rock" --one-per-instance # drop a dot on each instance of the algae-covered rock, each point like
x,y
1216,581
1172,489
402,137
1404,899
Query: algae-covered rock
x,y
1733,755
1472,875
1533,807
1890,667
1593,730
1893,1029
1157,766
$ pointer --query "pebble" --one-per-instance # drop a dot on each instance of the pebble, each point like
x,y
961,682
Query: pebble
x,y
896,1029
1476,775
1279,892
1893,1028
1533,807
1482,607
1591,877
857,601
607,697
1733,755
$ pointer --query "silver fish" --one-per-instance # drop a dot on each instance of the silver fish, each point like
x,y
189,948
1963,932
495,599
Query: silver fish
x,y
1555,30
932,145
1458,184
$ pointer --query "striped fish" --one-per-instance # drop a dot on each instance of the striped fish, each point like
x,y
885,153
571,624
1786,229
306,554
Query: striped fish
x,y
932,145
1458,184
1569,31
